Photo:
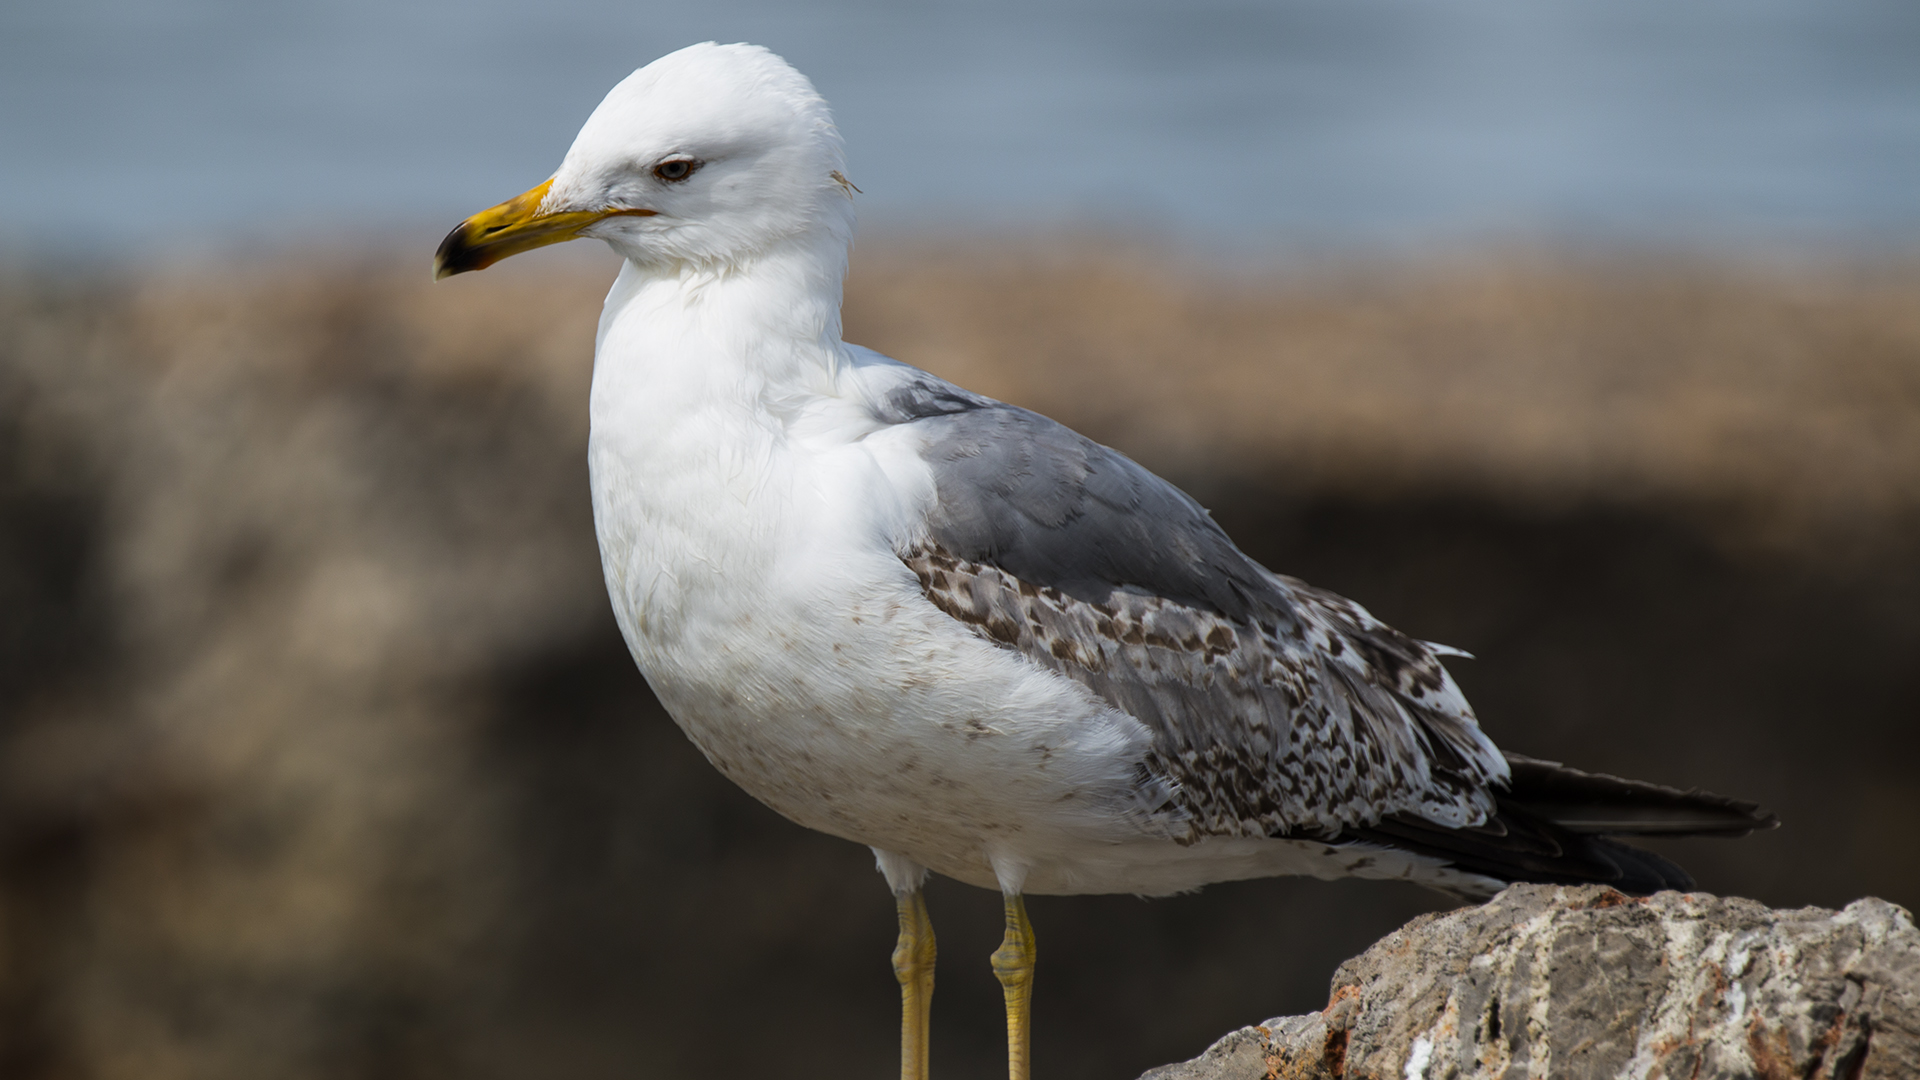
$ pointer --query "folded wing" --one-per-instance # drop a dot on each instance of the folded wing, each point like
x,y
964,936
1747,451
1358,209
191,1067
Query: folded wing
x,y
1276,708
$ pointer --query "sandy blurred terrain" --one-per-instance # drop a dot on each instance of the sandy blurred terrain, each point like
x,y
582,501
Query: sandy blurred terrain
x,y
320,755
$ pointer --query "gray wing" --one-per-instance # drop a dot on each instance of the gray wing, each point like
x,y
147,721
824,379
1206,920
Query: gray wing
x,y
1274,707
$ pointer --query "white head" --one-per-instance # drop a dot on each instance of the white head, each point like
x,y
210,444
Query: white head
x,y
708,157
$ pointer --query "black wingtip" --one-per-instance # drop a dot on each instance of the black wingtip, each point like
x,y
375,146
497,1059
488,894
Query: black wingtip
x,y
1599,804
1641,872
1557,826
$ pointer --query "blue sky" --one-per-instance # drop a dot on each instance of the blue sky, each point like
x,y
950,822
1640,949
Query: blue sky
x,y
133,124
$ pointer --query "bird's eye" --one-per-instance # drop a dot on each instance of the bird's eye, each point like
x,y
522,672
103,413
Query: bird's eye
x,y
675,169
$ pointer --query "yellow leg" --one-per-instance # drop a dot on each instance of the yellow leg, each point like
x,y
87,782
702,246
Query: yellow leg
x,y
913,964
1013,966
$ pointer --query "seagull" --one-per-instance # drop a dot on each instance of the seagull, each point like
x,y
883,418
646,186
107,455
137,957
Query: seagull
x,y
958,632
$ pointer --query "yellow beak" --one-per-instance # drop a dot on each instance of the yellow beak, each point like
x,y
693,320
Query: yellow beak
x,y
511,228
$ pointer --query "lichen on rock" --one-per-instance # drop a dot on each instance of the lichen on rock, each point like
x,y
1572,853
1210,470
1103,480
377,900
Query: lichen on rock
x,y
1575,983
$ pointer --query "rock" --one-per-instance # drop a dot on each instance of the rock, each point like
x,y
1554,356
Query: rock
x,y
1577,983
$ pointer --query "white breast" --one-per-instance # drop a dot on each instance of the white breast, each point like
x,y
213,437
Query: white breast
x,y
748,541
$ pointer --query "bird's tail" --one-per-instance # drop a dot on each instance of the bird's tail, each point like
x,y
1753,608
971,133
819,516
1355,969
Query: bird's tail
x,y
1556,825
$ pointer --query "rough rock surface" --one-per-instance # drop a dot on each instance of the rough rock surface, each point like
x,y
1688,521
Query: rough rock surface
x,y
1576,983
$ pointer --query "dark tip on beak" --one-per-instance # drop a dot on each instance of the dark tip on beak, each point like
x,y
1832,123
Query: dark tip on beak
x,y
456,255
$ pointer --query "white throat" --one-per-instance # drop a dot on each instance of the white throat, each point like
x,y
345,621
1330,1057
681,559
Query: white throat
x,y
766,324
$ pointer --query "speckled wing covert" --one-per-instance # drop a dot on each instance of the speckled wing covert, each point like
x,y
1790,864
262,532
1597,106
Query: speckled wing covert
x,y
1276,708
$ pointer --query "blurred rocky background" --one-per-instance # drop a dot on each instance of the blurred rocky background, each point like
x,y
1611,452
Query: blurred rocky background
x,y
1583,337
320,754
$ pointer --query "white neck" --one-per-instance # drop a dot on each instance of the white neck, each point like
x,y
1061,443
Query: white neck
x,y
768,327
700,379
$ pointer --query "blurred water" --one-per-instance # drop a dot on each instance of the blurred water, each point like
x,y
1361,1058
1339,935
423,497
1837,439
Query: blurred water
x,y
130,124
